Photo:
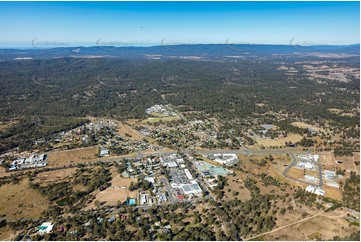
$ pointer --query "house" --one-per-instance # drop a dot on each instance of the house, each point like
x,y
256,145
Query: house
x,y
103,152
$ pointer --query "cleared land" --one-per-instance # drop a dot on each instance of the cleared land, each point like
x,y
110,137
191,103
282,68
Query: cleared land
x,y
318,227
281,141
74,156
117,192
20,201
57,175
158,119
235,188
124,128
306,126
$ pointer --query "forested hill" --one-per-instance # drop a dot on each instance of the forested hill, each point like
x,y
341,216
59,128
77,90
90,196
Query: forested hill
x,y
169,50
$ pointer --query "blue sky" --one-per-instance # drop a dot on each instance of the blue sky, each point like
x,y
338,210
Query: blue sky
x,y
145,23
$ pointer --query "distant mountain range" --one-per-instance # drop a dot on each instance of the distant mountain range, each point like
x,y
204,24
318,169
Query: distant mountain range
x,y
198,50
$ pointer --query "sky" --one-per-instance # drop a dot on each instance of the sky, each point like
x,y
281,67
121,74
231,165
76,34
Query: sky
x,y
60,24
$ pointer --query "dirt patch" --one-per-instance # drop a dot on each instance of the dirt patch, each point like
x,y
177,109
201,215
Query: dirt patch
x,y
111,196
20,201
117,192
6,234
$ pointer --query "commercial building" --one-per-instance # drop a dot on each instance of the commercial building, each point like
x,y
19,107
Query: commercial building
x,y
191,189
315,190
225,159
311,178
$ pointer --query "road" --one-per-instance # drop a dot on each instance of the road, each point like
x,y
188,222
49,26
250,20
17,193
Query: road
x,y
168,188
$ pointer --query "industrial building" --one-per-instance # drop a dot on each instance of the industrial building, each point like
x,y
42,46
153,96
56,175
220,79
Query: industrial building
x,y
315,190
191,189
311,178
225,159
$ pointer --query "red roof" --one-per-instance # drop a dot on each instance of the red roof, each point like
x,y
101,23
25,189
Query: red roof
x,y
180,197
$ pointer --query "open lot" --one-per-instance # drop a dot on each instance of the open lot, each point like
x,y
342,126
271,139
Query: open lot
x,y
52,176
74,156
237,189
20,201
117,192
347,163
281,141
158,119
306,126
111,196
6,234
320,227
124,128
298,173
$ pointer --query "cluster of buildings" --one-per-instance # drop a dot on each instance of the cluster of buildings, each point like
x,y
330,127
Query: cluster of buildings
x,y
161,109
181,180
316,190
145,199
142,167
225,159
33,161
330,178
308,162
309,158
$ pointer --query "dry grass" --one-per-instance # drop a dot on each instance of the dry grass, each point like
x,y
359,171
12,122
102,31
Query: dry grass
x,y
158,119
281,141
235,184
118,192
57,175
111,196
20,201
124,128
320,228
306,126
332,192
5,125
75,156
7,234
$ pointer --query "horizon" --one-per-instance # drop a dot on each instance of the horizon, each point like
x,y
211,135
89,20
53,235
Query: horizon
x,y
144,24
160,45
